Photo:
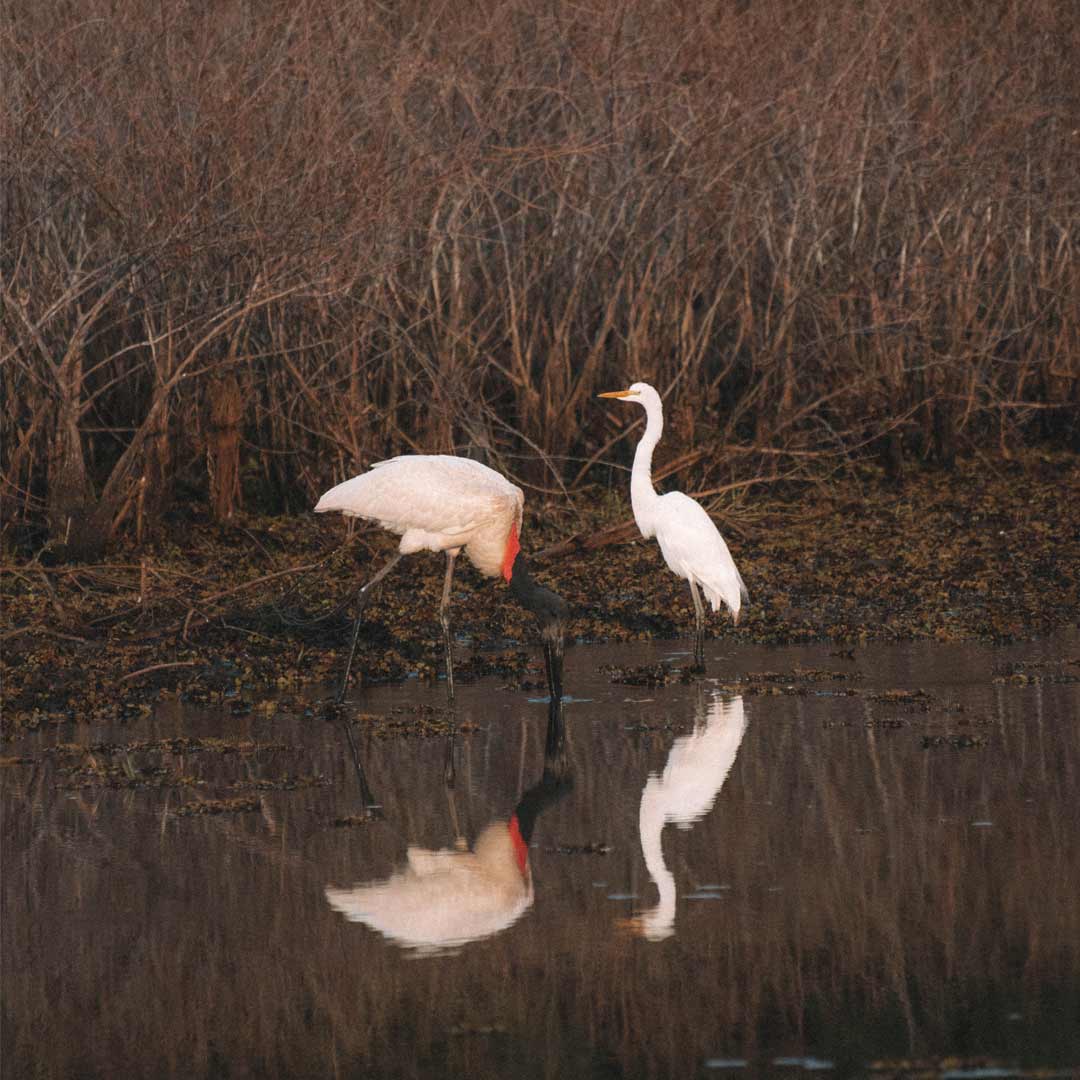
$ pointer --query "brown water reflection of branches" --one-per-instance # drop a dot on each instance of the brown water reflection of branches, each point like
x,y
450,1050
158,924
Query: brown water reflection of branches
x,y
861,891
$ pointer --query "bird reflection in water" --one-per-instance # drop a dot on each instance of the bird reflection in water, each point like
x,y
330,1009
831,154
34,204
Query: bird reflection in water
x,y
696,769
440,900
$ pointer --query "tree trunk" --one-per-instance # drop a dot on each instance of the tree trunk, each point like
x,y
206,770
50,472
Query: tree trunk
x,y
223,446
73,530
157,475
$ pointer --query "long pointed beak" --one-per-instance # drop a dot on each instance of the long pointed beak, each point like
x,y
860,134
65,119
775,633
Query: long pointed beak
x,y
618,393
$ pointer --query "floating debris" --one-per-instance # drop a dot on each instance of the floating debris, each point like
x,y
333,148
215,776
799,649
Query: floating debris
x,y
288,782
922,700
352,821
218,806
598,847
953,742
661,674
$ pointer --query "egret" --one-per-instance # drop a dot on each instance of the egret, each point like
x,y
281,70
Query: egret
x,y
438,502
691,544
696,769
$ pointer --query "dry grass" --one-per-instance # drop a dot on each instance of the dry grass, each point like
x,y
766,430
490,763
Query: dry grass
x,y
822,233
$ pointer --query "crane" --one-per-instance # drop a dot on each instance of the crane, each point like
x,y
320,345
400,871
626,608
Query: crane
x,y
439,502
691,544
440,899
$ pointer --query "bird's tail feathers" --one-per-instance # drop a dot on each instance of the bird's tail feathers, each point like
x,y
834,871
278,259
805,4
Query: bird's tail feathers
x,y
743,592
730,593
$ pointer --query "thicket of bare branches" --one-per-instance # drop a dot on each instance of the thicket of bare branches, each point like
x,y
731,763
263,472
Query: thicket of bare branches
x,y
822,229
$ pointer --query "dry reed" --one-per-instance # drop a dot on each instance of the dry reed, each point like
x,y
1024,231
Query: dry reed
x,y
822,231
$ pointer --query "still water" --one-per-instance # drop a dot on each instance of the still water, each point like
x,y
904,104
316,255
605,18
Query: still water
x,y
771,871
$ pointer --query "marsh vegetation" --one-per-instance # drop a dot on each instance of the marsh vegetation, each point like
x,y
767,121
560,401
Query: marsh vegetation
x,y
247,250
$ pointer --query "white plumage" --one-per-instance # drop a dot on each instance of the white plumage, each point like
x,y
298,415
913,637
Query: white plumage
x,y
696,769
436,502
694,549
691,544
445,898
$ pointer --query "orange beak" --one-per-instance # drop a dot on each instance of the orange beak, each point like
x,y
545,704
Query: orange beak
x,y
619,393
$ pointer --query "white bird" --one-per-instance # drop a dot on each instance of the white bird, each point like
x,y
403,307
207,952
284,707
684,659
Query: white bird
x,y
696,769
437,502
691,544
441,899
444,898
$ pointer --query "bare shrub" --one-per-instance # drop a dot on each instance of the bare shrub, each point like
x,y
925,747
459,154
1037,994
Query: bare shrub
x,y
820,231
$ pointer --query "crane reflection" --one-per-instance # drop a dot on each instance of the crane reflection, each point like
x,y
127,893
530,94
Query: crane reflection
x,y
439,900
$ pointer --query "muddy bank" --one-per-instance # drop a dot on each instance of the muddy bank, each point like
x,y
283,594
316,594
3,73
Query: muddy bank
x,y
981,553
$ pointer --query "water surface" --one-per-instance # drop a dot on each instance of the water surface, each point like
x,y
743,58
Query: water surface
x,y
770,871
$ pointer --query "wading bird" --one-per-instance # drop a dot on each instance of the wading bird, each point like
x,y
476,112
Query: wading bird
x,y
696,769
441,899
691,544
437,502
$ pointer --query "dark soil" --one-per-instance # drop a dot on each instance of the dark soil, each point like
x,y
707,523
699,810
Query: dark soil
x,y
261,607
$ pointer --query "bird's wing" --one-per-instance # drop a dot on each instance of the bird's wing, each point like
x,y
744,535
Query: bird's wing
x,y
436,493
693,547
698,764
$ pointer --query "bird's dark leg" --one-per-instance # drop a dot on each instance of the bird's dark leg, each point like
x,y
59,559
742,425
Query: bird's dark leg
x,y
444,618
699,628
553,666
450,761
369,807
363,596
555,743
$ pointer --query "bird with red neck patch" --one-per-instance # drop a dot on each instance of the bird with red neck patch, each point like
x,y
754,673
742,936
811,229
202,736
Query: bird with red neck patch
x,y
513,546
438,502
444,898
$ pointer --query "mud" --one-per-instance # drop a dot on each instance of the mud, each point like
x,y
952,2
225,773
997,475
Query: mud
x,y
244,613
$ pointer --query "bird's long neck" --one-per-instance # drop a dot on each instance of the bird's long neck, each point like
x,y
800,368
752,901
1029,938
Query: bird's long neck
x,y
642,493
550,611
547,606
546,792
651,820
523,585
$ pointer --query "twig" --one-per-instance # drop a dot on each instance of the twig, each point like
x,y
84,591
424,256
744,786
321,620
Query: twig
x,y
613,534
203,601
42,630
57,607
159,667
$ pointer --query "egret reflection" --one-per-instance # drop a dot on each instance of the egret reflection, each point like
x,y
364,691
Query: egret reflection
x,y
696,769
441,899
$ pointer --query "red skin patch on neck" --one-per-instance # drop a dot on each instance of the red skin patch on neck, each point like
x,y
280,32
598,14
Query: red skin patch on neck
x,y
512,548
521,851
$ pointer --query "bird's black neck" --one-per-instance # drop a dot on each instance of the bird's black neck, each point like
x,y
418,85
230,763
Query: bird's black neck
x,y
550,611
543,603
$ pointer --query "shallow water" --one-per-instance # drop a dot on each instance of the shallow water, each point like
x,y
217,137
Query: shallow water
x,y
743,876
